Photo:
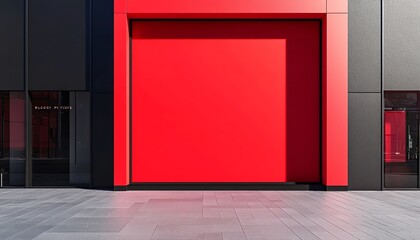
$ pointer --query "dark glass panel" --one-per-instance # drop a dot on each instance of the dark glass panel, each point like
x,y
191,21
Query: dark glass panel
x,y
401,136
50,138
12,138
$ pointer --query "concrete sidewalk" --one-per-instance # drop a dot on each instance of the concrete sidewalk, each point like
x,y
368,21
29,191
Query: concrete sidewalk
x,y
60,214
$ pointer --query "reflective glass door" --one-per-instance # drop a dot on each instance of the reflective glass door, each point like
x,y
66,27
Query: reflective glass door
x,y
50,138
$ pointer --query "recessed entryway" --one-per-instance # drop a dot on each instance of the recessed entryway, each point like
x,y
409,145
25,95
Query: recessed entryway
x,y
225,101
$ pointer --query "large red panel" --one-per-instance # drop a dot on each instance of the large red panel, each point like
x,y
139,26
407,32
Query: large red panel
x,y
225,101
121,101
335,101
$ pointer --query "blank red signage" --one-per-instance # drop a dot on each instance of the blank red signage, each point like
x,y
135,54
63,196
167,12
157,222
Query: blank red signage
x,y
225,101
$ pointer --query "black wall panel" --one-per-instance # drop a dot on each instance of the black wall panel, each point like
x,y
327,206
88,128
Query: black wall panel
x,y
364,45
365,141
12,44
103,45
402,44
102,86
80,154
102,140
58,44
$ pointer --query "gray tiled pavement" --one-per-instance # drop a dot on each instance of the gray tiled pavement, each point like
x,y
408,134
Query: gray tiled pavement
x,y
60,214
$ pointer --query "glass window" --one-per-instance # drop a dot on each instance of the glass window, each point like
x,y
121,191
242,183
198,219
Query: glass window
x,y
60,130
12,138
401,136
50,138
59,136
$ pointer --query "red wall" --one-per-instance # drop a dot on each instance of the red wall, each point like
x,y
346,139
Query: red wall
x,y
226,101
333,15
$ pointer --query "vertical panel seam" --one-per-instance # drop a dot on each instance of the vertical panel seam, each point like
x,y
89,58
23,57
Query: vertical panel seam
x,y
382,94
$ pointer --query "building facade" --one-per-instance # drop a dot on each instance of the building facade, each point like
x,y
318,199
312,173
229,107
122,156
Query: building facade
x,y
221,94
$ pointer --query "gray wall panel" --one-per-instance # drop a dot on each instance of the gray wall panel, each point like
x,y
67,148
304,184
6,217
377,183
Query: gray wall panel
x,y
402,45
365,141
58,47
11,44
364,45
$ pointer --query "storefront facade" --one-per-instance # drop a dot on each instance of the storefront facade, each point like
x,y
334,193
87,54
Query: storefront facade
x,y
221,94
